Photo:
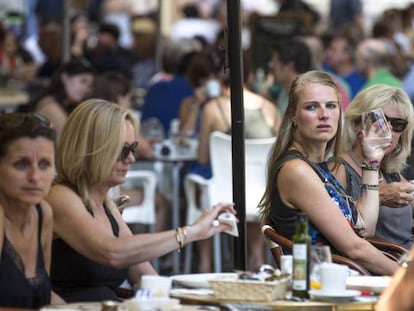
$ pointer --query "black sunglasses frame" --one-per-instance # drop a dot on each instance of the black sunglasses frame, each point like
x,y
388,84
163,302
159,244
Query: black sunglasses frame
x,y
398,125
127,149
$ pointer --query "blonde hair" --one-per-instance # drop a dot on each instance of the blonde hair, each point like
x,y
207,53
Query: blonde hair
x,y
90,144
377,96
287,131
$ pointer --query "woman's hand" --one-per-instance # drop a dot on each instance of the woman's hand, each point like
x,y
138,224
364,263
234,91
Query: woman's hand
x,y
203,226
396,194
369,150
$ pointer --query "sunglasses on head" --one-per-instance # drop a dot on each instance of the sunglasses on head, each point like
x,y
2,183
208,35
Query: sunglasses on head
x,y
17,119
398,125
127,149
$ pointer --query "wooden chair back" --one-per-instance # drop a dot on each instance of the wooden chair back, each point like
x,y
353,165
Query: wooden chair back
x,y
276,243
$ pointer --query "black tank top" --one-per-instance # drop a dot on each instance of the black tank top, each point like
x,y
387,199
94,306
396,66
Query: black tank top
x,y
77,278
15,289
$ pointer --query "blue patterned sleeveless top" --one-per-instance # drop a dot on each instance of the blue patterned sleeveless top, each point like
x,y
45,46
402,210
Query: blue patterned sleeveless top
x,y
338,194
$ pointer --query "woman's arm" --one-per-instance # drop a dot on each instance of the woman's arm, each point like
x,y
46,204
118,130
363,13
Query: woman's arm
x,y
189,111
272,115
300,187
94,239
206,127
367,203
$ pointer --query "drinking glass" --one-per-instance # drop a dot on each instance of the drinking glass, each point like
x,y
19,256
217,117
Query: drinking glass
x,y
377,131
152,130
319,254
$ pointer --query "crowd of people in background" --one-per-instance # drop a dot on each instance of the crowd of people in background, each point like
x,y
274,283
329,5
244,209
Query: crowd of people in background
x,y
118,55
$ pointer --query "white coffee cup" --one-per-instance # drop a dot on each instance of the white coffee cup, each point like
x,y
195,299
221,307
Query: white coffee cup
x,y
159,285
333,277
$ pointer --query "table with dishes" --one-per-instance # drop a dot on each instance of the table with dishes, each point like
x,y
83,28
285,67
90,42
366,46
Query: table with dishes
x,y
198,289
190,292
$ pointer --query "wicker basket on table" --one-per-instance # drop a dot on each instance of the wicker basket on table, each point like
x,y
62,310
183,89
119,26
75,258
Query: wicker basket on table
x,y
249,290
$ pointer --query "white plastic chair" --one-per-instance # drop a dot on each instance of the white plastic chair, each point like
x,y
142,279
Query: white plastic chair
x,y
219,187
143,213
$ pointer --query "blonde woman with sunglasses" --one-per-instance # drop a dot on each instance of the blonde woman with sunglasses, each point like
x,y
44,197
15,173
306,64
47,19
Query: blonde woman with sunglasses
x,y
94,250
393,220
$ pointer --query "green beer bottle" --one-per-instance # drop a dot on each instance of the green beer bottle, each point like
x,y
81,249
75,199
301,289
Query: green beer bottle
x,y
301,257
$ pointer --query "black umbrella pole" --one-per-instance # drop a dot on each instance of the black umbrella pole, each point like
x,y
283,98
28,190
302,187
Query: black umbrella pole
x,y
237,127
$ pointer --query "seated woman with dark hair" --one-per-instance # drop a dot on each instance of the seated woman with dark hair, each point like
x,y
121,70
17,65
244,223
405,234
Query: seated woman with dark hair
x,y
70,85
27,167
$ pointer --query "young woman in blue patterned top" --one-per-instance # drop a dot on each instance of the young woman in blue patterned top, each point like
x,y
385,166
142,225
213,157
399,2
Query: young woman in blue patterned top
x,y
298,181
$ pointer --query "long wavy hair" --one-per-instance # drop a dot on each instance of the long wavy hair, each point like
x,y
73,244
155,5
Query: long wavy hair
x,y
89,146
287,132
377,96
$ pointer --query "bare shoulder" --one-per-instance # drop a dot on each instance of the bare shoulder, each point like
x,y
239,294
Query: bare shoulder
x,y
297,170
211,115
210,107
46,103
61,196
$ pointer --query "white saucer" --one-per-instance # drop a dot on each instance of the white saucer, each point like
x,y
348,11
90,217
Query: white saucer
x,y
347,295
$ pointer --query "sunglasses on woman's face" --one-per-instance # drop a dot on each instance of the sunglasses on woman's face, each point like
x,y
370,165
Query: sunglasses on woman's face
x,y
16,119
398,125
127,149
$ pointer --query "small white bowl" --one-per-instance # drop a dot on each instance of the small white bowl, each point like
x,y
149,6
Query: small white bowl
x,y
162,304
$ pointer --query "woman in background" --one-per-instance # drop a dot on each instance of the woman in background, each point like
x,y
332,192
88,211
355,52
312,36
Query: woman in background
x,y
262,120
70,85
